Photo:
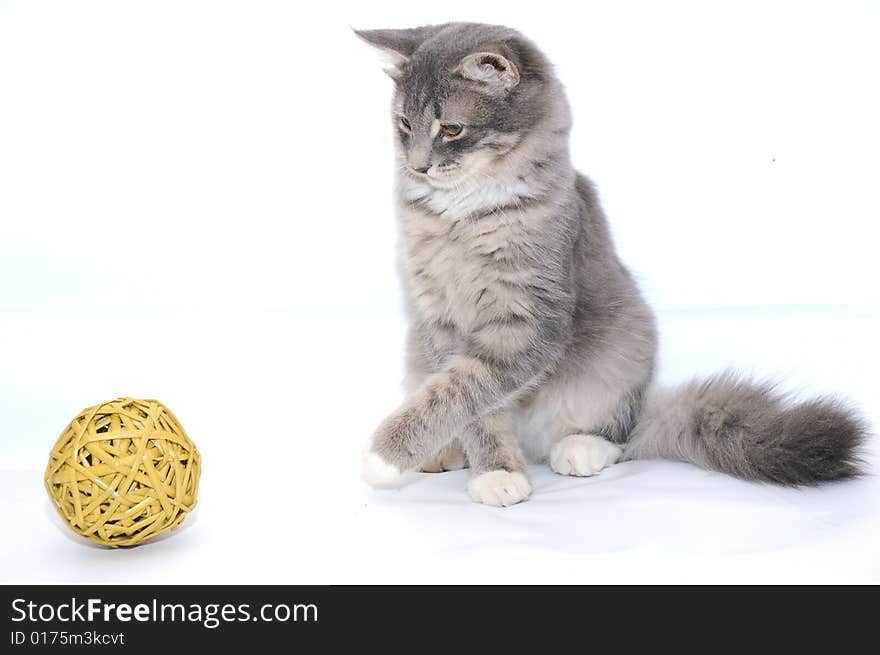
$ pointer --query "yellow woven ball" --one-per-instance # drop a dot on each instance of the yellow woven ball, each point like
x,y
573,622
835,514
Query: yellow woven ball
x,y
123,472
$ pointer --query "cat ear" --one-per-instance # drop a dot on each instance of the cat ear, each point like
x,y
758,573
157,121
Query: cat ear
x,y
397,46
496,72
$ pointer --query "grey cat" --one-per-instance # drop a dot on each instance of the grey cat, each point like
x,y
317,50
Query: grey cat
x,y
528,338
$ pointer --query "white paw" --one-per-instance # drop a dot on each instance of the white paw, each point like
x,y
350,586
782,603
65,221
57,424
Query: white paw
x,y
583,454
499,488
379,473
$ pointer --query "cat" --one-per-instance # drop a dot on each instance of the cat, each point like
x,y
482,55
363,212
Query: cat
x,y
529,340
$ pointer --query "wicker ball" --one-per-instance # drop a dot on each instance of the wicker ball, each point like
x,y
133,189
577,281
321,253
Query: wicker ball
x,y
123,472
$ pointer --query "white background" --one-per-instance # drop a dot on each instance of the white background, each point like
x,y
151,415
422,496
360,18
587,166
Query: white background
x,y
195,205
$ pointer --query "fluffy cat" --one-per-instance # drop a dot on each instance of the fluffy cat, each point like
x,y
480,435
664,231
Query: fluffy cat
x,y
528,338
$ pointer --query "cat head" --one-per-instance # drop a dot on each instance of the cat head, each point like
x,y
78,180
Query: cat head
x,y
466,96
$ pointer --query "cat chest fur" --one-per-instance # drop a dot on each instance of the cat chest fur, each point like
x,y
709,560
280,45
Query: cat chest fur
x,y
468,271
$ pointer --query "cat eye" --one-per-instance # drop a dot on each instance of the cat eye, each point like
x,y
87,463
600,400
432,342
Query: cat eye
x,y
451,129
404,123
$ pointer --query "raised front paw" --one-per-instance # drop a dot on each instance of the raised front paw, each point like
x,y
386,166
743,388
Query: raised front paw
x,y
450,458
499,488
582,455
379,473
390,451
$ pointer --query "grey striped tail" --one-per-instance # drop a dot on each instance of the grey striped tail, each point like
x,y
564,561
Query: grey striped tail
x,y
748,429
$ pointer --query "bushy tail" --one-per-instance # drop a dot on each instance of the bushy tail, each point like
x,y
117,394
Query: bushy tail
x,y
733,425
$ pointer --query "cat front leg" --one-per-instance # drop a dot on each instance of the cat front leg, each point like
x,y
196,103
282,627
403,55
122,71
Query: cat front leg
x,y
431,417
500,476
508,352
446,405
